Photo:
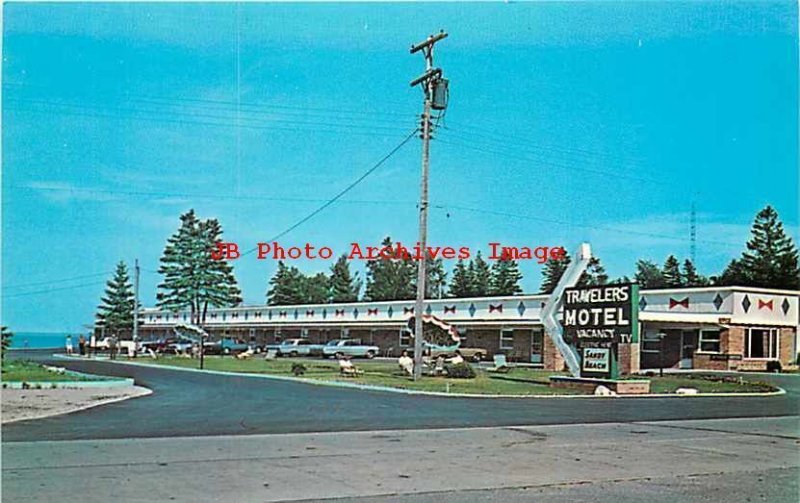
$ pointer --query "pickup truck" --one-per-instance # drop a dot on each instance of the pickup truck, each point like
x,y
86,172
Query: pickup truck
x,y
297,347
349,347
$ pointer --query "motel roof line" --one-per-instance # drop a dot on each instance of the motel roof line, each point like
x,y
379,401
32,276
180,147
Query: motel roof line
x,y
537,296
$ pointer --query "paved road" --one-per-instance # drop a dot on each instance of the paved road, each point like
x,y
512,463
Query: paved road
x,y
195,404
732,460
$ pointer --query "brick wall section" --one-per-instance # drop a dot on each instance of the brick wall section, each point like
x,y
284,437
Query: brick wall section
x,y
552,358
787,353
628,358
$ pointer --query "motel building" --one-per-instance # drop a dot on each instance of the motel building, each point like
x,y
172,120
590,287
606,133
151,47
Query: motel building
x,y
713,328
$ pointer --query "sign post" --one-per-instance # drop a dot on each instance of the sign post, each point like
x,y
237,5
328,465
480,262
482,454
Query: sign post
x,y
596,320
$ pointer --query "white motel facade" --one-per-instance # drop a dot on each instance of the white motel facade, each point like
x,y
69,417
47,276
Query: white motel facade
x,y
714,328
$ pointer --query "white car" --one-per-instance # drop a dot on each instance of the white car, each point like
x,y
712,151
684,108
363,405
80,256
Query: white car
x,y
349,347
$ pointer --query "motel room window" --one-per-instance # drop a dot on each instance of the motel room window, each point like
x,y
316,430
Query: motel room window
x,y
345,333
761,343
507,338
405,338
304,333
709,341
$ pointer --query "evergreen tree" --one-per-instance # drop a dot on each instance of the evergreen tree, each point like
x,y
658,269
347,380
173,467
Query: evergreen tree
x,y
771,259
390,279
192,278
505,278
552,272
672,273
436,278
690,275
481,277
286,287
7,336
594,275
460,282
733,275
315,289
344,285
115,312
649,275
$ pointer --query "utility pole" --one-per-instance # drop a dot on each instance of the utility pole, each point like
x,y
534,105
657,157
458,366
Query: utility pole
x,y
434,88
136,300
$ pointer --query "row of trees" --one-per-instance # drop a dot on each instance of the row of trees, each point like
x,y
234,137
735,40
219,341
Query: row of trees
x,y
194,281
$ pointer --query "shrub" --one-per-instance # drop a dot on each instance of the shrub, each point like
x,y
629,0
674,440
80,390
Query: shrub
x,y
298,369
461,371
774,366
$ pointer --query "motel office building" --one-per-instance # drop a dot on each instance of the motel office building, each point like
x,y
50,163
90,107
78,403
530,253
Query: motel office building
x,y
714,328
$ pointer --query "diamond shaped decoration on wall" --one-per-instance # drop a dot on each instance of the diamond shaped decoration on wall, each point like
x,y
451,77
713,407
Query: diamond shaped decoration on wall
x,y
642,303
390,311
295,314
521,308
718,301
785,306
746,303
269,315
472,310
428,311
324,313
355,313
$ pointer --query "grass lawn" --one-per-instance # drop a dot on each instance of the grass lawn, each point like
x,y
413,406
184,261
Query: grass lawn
x,y
519,381
25,371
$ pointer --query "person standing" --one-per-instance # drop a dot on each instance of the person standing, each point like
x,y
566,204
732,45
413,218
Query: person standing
x,y
82,345
69,345
112,347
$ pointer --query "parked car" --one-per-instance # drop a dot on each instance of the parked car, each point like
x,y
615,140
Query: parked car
x,y
296,347
474,354
225,346
180,345
349,347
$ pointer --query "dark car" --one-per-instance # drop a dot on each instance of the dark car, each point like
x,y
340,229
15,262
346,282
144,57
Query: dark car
x,y
225,346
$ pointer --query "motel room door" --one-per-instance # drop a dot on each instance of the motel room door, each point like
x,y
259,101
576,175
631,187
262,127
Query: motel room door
x,y
688,345
537,346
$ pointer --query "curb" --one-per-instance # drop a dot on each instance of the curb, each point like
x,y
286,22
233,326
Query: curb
x,y
372,387
94,381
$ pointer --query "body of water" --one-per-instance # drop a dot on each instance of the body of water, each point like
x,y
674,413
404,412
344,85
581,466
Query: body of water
x,y
41,340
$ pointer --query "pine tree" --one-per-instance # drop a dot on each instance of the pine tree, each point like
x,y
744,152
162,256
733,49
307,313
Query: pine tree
x,y
481,277
552,272
436,278
344,285
672,273
286,287
733,275
115,312
5,342
315,289
505,278
771,259
690,275
460,282
192,278
649,275
390,279
594,275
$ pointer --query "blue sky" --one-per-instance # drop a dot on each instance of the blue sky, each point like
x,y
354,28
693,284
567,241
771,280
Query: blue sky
x,y
567,122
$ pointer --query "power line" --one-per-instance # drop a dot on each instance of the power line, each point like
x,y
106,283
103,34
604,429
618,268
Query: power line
x,y
72,287
61,280
340,194
201,196
588,226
